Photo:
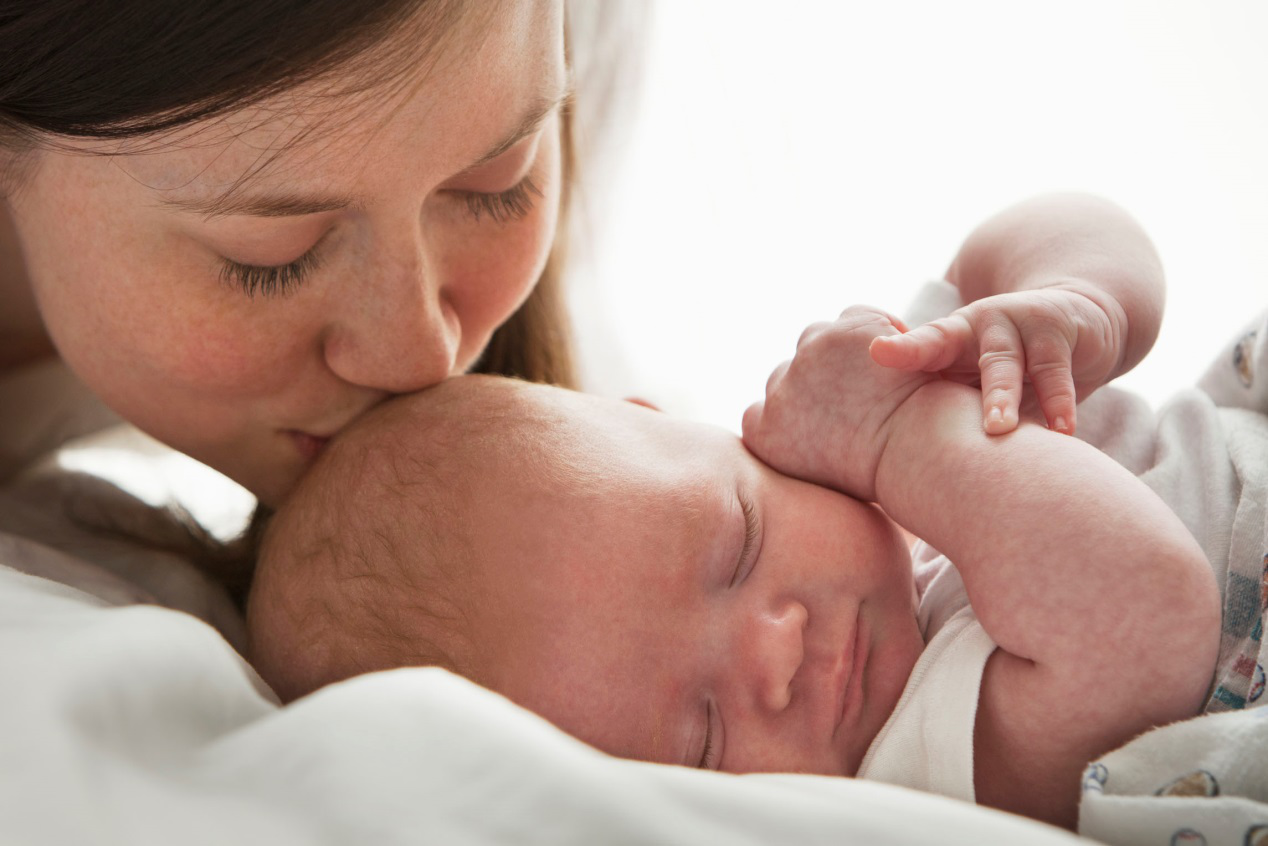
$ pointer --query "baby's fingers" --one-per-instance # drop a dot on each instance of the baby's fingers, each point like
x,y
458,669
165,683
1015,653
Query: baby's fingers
x,y
1048,363
751,426
931,347
1002,365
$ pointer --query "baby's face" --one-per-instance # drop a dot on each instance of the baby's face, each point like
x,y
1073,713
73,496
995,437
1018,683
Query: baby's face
x,y
656,591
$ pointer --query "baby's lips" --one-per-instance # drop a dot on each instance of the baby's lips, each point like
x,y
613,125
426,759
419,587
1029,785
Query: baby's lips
x,y
308,445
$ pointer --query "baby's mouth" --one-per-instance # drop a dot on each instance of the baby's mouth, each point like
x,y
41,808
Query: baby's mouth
x,y
308,445
850,697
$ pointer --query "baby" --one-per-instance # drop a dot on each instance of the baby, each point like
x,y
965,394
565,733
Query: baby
x,y
650,586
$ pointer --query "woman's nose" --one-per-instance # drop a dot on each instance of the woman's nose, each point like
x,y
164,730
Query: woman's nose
x,y
775,650
395,333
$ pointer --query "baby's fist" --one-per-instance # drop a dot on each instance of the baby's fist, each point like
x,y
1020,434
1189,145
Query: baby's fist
x,y
827,412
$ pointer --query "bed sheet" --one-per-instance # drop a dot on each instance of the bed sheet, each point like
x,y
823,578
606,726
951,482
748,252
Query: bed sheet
x,y
136,724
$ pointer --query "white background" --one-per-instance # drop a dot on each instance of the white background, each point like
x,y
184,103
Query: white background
x,y
789,159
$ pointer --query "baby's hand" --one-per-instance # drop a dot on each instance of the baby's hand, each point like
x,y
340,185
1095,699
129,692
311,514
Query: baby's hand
x,y
827,413
1063,341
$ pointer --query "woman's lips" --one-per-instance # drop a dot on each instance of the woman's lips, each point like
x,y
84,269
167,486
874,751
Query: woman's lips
x,y
309,446
852,672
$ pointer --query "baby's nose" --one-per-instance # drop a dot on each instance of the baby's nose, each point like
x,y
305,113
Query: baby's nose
x,y
778,648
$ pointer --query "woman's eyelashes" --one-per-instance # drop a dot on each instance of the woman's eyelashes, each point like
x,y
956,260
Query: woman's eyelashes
x,y
269,281
503,206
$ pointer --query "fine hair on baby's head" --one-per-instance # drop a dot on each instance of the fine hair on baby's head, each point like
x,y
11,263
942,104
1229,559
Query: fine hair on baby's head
x,y
633,577
380,558
368,566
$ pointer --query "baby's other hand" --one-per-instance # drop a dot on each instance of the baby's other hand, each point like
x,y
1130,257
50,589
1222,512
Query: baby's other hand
x,y
1060,339
828,411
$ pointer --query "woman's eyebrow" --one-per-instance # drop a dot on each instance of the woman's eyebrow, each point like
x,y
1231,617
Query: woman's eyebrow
x,y
285,205
295,205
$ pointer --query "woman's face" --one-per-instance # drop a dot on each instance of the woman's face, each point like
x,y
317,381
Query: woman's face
x,y
374,245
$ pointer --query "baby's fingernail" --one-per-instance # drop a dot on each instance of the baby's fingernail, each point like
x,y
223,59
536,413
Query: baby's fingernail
x,y
995,419
1060,425
1000,420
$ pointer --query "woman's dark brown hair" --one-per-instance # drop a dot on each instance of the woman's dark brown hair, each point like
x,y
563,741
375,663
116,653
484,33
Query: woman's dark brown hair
x,y
129,70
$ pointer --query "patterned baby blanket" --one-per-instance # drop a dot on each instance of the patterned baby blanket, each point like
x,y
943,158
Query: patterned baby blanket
x,y
1204,781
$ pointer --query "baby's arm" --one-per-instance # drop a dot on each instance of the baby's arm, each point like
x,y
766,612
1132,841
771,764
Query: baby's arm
x,y
1066,290
1062,239
1102,603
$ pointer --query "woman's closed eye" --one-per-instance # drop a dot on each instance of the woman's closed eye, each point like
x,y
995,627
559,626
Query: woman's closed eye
x,y
269,280
481,192
514,203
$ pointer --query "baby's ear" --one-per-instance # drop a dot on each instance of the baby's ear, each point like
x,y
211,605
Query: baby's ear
x,y
645,403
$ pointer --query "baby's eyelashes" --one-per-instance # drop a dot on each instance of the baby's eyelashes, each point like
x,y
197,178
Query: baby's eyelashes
x,y
751,546
711,747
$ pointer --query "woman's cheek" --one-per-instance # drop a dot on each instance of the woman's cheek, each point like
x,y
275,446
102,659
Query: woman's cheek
x,y
219,360
202,338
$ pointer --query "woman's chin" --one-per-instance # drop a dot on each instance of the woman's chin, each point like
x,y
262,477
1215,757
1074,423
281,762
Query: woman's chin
x,y
269,478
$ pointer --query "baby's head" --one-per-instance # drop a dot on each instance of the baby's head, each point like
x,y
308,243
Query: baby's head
x,y
642,582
